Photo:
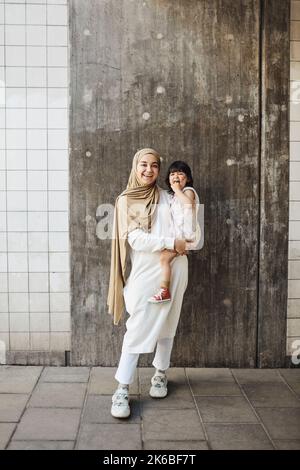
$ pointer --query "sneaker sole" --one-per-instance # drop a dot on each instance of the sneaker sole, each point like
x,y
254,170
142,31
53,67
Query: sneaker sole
x,y
120,417
158,301
158,396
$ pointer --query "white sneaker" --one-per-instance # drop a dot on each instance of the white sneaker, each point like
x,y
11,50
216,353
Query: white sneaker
x,y
120,403
159,386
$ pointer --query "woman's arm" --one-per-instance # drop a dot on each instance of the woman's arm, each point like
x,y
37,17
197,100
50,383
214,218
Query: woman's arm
x,y
142,241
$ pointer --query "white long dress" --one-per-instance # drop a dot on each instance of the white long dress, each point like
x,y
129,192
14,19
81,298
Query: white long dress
x,y
149,322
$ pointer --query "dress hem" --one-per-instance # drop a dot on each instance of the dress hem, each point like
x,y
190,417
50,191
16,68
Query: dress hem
x,y
134,351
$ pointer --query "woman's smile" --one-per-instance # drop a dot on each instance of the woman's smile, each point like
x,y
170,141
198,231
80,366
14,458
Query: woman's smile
x,y
147,176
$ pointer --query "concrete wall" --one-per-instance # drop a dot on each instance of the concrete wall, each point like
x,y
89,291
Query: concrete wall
x,y
224,71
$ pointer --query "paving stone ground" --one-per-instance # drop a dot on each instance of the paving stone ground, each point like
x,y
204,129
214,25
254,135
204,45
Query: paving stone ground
x,y
206,409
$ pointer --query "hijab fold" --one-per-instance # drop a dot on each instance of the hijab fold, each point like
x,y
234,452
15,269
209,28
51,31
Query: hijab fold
x,y
134,209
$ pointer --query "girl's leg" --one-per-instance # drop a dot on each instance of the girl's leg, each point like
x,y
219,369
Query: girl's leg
x,y
166,257
163,352
126,369
163,294
165,274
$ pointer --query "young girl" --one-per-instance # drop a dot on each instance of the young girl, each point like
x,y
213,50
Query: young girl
x,y
184,204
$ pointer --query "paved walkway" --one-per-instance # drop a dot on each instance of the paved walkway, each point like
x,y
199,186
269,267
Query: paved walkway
x,y
69,408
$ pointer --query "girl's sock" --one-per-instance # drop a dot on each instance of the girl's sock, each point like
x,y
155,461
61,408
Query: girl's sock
x,y
165,284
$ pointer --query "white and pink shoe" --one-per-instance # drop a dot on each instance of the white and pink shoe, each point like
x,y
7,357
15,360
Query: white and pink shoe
x,y
163,295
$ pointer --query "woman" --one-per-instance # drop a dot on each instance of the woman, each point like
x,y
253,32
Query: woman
x,y
142,225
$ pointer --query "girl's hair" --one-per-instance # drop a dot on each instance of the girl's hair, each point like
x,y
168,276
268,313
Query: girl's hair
x,y
179,166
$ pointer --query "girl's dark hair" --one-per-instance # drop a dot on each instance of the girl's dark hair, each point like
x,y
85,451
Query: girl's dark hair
x,y
179,166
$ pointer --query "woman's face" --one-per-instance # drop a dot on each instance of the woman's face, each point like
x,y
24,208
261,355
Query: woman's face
x,y
177,176
148,169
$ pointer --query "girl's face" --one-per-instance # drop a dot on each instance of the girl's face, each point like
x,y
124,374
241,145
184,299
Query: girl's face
x,y
178,177
148,169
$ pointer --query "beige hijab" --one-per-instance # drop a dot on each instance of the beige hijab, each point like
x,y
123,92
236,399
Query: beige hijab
x,y
134,208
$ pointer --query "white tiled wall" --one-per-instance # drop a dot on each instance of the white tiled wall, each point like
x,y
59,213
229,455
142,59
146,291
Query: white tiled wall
x,y
293,322
34,258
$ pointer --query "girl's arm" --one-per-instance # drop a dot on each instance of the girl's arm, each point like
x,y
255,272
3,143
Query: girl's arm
x,y
187,197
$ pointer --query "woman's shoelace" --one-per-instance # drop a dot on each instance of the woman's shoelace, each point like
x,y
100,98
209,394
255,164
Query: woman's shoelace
x,y
119,399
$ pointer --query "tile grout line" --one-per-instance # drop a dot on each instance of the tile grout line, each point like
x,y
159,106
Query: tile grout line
x,y
254,410
47,173
82,409
198,411
289,387
30,348
6,202
25,407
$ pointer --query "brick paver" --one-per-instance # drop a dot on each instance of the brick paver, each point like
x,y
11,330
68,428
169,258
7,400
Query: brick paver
x,y
206,409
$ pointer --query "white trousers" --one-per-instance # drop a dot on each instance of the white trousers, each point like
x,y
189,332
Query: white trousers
x,y
128,361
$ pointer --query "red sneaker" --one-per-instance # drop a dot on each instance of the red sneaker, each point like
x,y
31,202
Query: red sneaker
x,y
163,295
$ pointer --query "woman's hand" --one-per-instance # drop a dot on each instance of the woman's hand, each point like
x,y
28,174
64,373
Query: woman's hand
x,y
179,246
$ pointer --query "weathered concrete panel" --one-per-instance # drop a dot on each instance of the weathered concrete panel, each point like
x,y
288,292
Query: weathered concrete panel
x,y
194,69
274,190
